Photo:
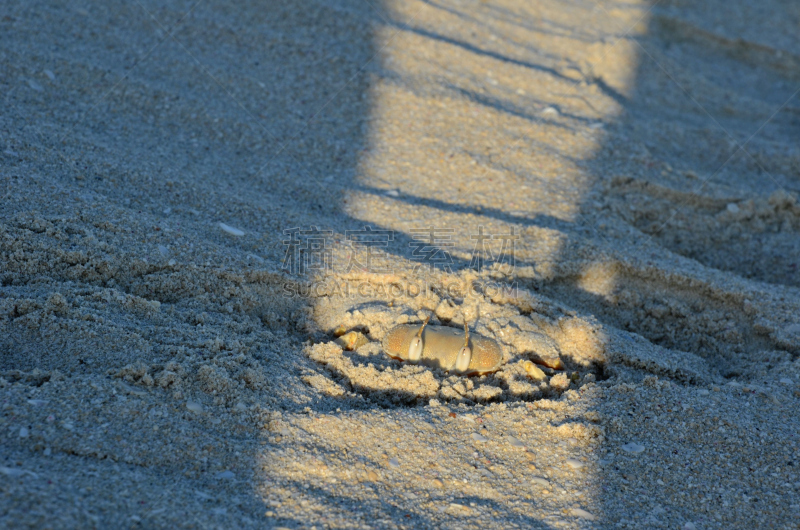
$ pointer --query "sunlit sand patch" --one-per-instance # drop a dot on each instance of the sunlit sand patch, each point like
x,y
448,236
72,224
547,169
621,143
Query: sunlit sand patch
x,y
435,462
456,141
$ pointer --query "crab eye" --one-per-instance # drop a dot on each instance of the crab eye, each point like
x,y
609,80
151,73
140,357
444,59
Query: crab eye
x,y
462,361
415,349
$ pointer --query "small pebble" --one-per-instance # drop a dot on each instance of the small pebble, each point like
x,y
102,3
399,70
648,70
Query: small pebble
x,y
35,86
393,193
459,509
574,463
689,526
438,483
352,341
23,432
549,111
516,442
231,230
540,481
732,207
552,362
227,475
164,250
633,447
533,371
393,462
16,472
194,406
784,380
37,402
583,514
50,75
371,475
479,437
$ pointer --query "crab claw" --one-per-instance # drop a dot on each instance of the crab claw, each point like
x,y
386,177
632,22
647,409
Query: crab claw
x,y
415,349
463,359
465,353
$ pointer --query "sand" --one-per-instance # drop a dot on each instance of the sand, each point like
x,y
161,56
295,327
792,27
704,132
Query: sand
x,y
211,214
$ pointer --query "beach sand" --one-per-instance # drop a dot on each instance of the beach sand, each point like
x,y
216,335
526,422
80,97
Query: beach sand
x,y
211,214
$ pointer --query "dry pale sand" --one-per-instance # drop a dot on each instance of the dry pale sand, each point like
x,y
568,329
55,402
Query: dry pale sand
x,y
165,362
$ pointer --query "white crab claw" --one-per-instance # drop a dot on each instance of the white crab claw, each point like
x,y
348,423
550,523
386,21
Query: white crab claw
x,y
415,349
462,361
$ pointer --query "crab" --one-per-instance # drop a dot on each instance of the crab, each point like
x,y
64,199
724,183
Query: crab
x,y
443,347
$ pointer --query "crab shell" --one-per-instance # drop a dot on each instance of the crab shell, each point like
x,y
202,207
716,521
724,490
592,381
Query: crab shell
x,y
440,347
